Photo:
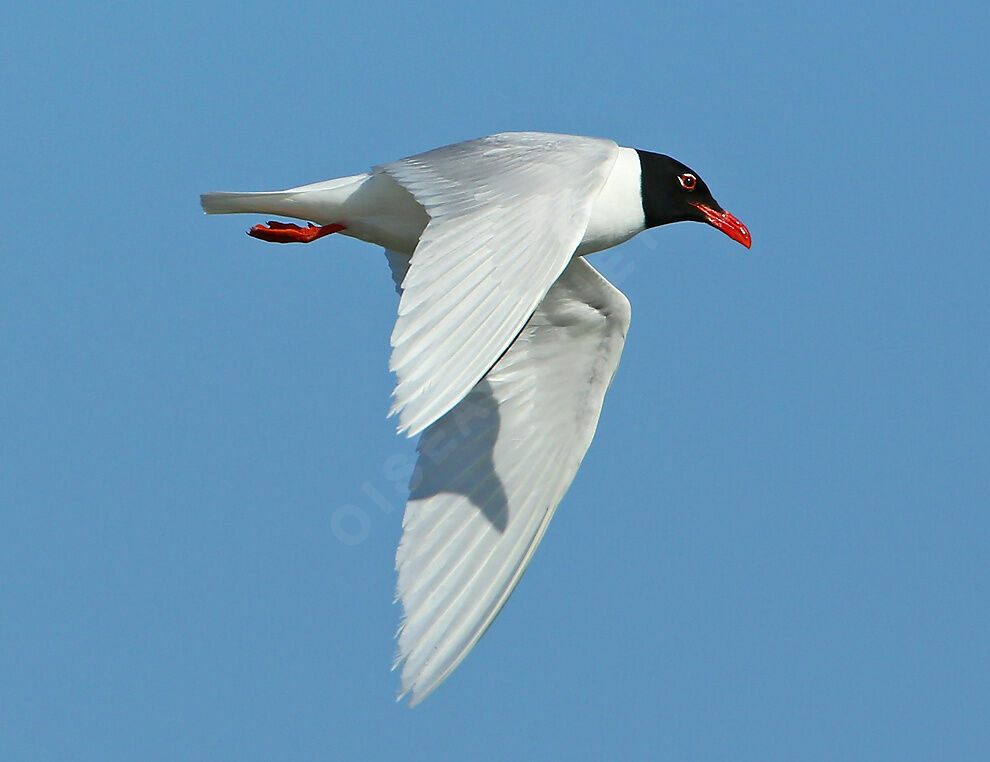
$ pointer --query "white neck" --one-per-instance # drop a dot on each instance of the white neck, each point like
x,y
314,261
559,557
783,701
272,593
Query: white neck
x,y
618,211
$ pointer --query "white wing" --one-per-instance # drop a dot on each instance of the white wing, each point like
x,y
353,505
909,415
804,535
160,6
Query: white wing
x,y
506,214
492,471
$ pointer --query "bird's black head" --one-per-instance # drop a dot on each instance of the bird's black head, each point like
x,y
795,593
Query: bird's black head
x,y
673,192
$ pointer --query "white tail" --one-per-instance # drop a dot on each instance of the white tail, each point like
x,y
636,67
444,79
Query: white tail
x,y
308,202
232,203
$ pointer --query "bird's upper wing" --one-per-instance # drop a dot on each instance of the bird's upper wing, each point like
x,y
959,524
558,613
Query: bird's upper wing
x,y
492,470
506,214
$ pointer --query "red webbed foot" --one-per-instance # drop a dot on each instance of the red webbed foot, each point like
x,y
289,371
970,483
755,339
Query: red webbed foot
x,y
287,232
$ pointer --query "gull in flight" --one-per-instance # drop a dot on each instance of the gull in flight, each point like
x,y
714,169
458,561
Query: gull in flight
x,y
505,343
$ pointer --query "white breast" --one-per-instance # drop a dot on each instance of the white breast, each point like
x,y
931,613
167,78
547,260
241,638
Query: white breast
x,y
618,211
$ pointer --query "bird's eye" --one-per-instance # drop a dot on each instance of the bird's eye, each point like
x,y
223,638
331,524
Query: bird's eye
x,y
687,181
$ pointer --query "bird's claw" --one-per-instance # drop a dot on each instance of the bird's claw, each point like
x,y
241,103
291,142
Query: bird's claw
x,y
287,232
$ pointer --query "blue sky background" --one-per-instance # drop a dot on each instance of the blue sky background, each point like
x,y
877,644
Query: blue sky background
x,y
777,547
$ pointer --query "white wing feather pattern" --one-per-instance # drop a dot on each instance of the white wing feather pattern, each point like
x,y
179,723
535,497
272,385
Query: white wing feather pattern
x,y
493,469
506,215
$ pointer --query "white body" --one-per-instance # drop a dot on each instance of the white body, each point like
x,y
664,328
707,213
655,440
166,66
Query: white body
x,y
376,209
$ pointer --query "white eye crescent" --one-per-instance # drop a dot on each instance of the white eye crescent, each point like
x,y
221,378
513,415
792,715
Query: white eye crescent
x,y
687,181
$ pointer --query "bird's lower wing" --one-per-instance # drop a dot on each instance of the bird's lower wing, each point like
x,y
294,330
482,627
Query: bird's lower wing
x,y
492,470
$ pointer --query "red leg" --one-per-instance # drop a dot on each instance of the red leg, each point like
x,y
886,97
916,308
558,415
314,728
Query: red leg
x,y
286,232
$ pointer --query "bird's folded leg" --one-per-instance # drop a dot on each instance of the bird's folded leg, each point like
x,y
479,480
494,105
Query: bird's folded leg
x,y
287,232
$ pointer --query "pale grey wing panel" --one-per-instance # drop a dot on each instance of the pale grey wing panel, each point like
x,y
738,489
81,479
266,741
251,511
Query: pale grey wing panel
x,y
506,214
492,470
